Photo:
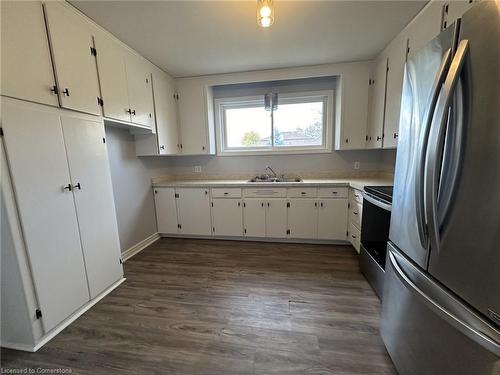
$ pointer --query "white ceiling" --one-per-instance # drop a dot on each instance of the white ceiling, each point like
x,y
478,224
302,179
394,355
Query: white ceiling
x,y
188,38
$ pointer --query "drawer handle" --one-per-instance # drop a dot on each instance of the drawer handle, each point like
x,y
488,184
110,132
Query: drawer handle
x,y
353,236
335,192
303,193
226,193
355,213
356,195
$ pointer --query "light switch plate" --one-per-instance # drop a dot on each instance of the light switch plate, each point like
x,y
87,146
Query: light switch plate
x,y
197,169
356,165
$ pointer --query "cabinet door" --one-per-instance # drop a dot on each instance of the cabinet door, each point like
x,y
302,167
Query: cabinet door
x,y
426,26
112,77
26,64
166,114
377,104
396,62
46,208
453,10
166,210
276,218
75,65
139,90
193,211
303,218
254,218
192,111
332,219
227,215
95,207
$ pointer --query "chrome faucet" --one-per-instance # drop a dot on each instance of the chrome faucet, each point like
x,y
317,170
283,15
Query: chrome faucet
x,y
268,167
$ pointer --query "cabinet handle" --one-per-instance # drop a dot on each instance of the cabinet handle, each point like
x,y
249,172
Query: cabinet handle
x,y
67,187
315,204
133,112
395,135
335,192
203,148
162,147
355,213
66,91
268,204
239,204
321,204
347,140
206,192
262,204
353,236
356,195
129,111
54,90
303,193
77,186
378,138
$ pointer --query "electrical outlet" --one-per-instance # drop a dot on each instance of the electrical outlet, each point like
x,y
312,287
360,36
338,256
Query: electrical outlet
x,y
356,165
197,169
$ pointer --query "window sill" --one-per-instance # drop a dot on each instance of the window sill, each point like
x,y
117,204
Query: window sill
x,y
273,152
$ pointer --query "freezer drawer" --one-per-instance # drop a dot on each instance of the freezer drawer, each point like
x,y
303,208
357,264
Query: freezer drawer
x,y
427,331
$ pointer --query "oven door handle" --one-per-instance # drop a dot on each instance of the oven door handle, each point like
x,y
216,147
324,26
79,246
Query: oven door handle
x,y
376,202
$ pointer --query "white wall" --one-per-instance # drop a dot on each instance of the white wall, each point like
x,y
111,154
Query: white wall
x,y
131,177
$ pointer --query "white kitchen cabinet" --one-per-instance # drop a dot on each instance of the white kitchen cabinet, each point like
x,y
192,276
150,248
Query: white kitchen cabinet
x,y
227,217
452,10
46,208
377,103
332,219
195,114
166,139
276,218
140,91
425,26
254,217
302,218
95,207
396,55
193,211
112,77
74,61
166,210
25,56
352,115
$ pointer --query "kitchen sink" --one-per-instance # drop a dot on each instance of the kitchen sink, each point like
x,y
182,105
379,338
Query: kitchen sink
x,y
274,179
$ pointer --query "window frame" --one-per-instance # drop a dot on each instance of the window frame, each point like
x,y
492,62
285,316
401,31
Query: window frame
x,y
327,96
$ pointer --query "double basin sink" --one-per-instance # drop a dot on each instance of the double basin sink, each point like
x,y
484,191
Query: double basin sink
x,y
274,179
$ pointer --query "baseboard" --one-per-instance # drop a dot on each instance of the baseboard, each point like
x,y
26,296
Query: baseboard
x,y
137,248
258,239
54,332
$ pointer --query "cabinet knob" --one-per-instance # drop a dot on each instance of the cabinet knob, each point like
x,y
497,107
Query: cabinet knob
x,y
66,91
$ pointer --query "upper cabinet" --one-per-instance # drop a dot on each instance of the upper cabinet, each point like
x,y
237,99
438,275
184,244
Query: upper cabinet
x,y
74,58
26,63
378,82
140,92
454,9
195,111
112,77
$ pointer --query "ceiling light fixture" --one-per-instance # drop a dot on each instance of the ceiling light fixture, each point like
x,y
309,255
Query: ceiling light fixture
x,y
265,13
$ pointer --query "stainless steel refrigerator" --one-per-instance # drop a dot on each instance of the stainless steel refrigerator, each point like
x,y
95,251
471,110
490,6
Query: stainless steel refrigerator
x,y
441,302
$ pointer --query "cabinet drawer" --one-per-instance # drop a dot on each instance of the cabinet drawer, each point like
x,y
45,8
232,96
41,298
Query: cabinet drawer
x,y
226,193
355,212
333,192
302,192
355,196
263,192
354,236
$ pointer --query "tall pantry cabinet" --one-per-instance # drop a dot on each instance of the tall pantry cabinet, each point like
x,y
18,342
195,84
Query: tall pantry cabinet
x,y
62,187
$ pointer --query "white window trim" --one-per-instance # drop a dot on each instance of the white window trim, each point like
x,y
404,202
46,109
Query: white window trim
x,y
298,97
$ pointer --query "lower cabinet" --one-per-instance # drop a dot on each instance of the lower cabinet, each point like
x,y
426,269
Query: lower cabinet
x,y
264,213
276,218
332,219
193,211
302,218
355,218
254,218
65,204
166,210
227,217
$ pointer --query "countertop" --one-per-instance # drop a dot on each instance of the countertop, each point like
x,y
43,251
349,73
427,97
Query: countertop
x,y
354,182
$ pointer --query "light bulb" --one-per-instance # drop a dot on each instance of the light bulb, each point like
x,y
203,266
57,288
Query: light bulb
x,y
265,11
265,22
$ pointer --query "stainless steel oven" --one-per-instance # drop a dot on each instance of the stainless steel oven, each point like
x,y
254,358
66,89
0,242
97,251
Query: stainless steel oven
x,y
375,234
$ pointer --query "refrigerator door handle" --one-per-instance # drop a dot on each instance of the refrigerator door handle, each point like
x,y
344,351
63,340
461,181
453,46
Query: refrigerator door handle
x,y
419,175
445,306
436,137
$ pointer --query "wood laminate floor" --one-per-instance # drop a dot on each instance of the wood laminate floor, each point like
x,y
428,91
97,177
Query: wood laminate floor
x,y
226,307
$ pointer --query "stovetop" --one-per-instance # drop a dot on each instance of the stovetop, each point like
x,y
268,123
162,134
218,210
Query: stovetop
x,y
382,192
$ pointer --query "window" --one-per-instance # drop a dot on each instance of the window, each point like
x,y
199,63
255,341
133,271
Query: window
x,y
292,123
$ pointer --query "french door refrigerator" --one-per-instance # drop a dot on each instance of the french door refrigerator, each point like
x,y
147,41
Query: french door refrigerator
x,y
441,302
